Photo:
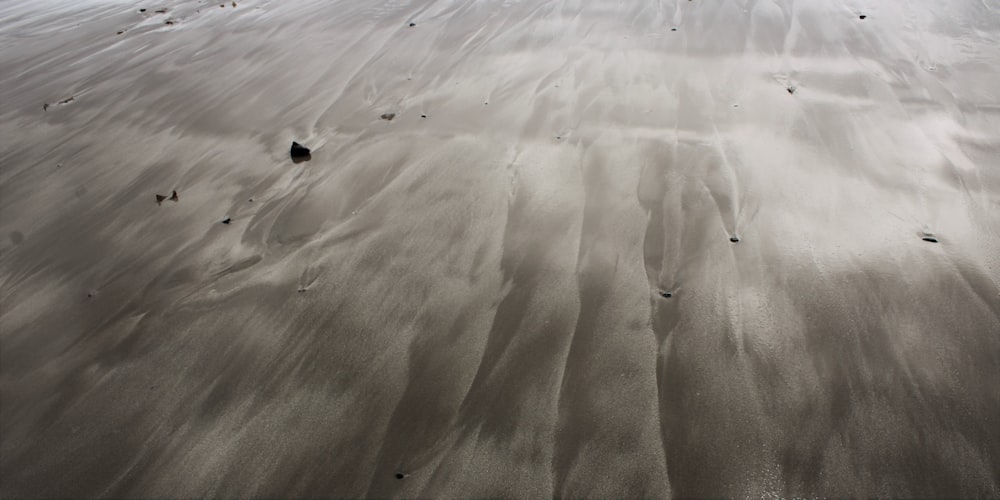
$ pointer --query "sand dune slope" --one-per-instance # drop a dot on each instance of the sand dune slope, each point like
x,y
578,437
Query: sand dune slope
x,y
603,248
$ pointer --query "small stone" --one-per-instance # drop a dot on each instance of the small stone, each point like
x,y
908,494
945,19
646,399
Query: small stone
x,y
173,196
791,90
862,16
45,107
400,475
413,24
142,10
930,239
160,198
734,239
666,295
423,116
227,220
673,29
388,116
300,152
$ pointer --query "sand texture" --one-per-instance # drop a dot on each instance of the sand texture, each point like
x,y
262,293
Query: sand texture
x,y
572,248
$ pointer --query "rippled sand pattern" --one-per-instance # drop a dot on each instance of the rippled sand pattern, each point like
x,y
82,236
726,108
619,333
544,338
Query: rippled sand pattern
x,y
603,248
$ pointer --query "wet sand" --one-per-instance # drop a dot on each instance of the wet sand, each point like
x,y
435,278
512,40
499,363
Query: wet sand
x,y
602,249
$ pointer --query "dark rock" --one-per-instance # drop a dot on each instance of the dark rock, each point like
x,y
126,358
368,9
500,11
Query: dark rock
x,y
173,196
673,29
169,23
423,116
300,153
666,295
791,90
160,198
413,24
142,10
120,32
45,107
400,475
227,220
862,16
388,116
930,239
734,239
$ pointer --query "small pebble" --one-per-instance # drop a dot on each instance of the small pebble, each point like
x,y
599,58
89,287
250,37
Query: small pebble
x,y
734,239
227,220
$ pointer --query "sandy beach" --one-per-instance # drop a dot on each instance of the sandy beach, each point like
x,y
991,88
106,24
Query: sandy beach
x,y
600,248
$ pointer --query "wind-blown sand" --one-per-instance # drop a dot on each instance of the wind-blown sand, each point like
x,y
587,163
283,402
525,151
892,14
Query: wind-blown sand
x,y
473,299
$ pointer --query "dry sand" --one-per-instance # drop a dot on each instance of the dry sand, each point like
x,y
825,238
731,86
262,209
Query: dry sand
x,y
473,299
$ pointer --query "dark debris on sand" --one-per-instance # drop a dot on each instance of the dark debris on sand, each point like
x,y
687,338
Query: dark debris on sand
x,y
388,116
300,153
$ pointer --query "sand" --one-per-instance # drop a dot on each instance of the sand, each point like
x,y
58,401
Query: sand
x,y
468,299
